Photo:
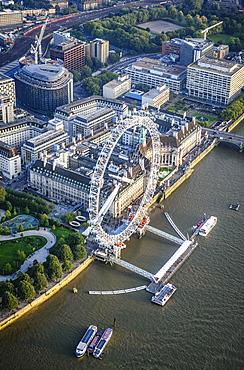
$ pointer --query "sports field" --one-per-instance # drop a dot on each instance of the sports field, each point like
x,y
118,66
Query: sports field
x,y
159,26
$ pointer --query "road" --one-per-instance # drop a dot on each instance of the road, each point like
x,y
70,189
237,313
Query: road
x,y
22,44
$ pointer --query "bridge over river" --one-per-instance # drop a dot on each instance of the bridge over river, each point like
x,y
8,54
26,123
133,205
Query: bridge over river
x,y
227,137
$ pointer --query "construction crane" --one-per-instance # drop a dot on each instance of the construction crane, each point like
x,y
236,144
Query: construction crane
x,y
37,48
209,28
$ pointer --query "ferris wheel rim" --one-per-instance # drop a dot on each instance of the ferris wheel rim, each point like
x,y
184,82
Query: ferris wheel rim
x,y
98,175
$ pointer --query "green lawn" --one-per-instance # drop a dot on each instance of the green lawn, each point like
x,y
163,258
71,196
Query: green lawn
x,y
222,36
9,248
62,232
203,123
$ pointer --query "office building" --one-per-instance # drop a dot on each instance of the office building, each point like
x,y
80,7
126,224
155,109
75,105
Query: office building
x,y
218,81
6,109
10,162
34,148
71,52
193,49
61,3
5,39
100,49
20,130
43,87
7,87
10,19
171,47
92,108
226,3
59,183
154,73
117,87
156,97
221,51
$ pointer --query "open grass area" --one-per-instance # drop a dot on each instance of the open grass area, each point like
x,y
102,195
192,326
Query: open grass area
x,y
163,172
9,248
211,119
62,232
222,36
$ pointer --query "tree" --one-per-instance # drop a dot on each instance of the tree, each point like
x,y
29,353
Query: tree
x,y
9,206
79,252
76,75
189,20
67,266
40,281
66,253
142,87
54,268
9,287
6,229
44,221
8,213
75,239
86,71
25,277
21,228
9,301
7,268
68,217
37,267
21,255
2,194
27,211
26,291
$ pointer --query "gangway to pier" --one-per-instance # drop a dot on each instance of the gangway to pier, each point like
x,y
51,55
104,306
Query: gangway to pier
x,y
121,291
165,235
131,267
174,226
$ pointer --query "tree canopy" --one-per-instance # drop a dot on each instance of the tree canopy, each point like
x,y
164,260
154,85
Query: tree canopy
x,y
53,267
26,291
9,301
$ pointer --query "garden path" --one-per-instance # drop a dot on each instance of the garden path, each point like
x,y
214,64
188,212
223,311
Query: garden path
x,y
39,255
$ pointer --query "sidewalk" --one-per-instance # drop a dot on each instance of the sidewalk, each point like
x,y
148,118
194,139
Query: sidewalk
x,y
39,255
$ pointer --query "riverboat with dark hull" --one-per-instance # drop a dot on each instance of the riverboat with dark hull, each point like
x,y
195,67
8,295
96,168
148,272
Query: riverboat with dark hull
x,y
85,341
103,341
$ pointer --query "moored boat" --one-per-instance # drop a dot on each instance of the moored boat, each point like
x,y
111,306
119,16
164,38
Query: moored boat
x,y
85,341
207,226
163,295
106,335
94,342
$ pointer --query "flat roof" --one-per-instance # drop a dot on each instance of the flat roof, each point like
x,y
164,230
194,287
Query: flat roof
x,y
221,66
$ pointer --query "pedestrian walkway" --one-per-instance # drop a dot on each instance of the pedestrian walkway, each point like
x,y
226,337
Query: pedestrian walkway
x,y
40,255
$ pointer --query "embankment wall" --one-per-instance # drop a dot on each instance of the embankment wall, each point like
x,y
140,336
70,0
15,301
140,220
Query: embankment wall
x,y
49,293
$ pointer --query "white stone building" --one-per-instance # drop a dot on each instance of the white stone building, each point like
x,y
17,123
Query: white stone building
x,y
117,87
156,97
218,81
10,161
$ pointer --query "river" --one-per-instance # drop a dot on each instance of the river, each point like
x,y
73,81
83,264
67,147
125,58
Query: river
x,y
201,326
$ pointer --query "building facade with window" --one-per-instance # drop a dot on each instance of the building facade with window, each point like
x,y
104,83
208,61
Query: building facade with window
x,y
154,73
214,80
10,161
43,87
71,52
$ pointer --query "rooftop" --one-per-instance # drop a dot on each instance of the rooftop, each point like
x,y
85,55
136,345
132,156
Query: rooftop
x,y
153,66
221,66
61,174
44,72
